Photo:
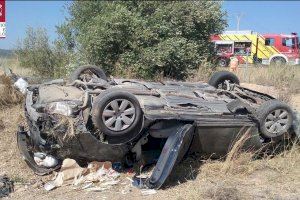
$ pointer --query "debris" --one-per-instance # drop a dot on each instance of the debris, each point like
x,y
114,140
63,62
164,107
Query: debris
x,y
146,192
130,171
42,159
139,183
117,166
95,172
69,170
130,179
55,183
87,186
22,85
6,186
94,166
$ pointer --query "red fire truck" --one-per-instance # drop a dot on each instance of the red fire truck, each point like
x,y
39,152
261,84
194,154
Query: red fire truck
x,y
278,49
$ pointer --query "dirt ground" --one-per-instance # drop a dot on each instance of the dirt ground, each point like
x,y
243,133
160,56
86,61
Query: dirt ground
x,y
276,178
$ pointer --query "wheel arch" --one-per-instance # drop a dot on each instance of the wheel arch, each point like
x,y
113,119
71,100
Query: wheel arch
x,y
278,56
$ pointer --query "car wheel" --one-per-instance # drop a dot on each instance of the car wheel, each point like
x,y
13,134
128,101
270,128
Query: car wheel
x,y
278,61
221,79
86,73
117,114
223,62
275,118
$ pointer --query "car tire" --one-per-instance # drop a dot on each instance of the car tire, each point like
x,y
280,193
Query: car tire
x,y
218,79
275,118
118,115
278,61
81,70
223,62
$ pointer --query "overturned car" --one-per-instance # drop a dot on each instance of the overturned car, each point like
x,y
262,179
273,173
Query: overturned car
x,y
91,117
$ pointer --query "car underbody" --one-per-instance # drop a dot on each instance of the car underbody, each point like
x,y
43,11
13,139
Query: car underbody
x,y
139,122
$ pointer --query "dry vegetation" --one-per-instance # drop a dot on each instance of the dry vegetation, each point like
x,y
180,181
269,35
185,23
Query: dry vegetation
x,y
13,64
285,79
277,76
239,176
280,82
8,95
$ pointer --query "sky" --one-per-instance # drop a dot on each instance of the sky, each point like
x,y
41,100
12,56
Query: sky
x,y
259,16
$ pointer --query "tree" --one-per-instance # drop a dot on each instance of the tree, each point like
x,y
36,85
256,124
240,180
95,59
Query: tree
x,y
45,59
35,52
144,38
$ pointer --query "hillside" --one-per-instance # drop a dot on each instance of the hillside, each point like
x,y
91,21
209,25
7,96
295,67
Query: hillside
x,y
5,53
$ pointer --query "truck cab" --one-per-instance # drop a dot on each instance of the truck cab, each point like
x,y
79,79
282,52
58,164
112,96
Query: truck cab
x,y
287,46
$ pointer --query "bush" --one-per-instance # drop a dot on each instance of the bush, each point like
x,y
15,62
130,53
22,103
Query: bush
x,y
37,53
143,39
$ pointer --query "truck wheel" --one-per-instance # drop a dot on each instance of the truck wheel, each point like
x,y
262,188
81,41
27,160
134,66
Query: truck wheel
x,y
275,118
278,61
86,73
223,62
220,79
117,114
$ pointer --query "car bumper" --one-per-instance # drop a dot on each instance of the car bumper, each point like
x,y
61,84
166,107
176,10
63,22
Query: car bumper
x,y
294,61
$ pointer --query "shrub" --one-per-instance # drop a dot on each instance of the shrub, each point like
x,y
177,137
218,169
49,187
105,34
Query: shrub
x,y
143,39
37,53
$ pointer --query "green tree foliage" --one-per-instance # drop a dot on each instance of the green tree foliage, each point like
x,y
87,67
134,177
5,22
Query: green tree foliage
x,y
144,39
36,52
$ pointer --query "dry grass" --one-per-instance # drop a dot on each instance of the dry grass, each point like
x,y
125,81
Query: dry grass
x,y
202,73
277,76
13,64
8,94
11,162
286,79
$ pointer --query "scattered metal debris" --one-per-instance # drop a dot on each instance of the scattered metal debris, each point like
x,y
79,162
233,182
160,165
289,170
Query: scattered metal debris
x,y
6,186
146,192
